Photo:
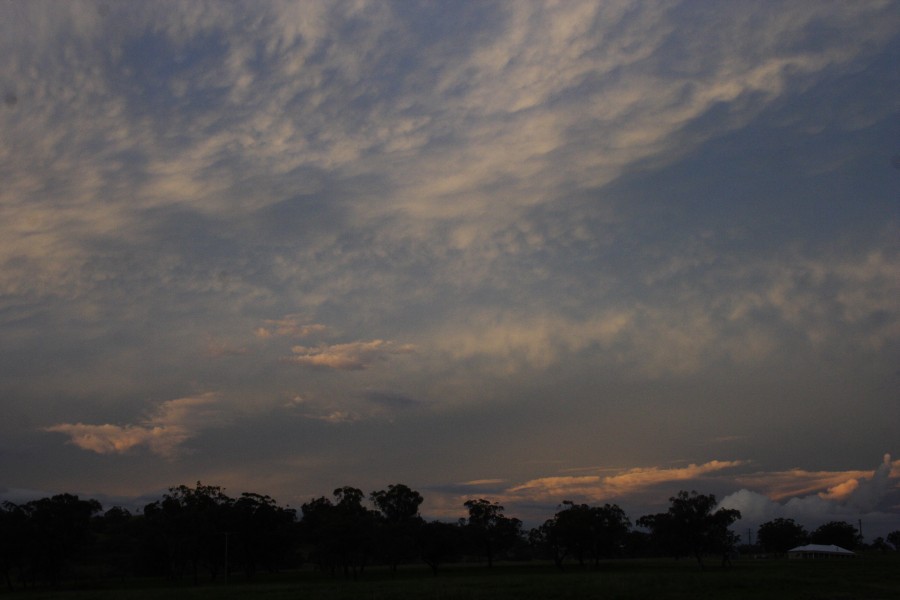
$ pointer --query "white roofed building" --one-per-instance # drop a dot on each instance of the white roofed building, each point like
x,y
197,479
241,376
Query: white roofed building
x,y
820,551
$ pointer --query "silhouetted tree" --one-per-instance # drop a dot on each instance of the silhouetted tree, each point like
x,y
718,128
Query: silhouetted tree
x,y
439,543
880,544
47,540
318,524
893,539
13,540
400,520
586,532
780,535
261,533
356,531
610,527
839,533
664,537
691,526
547,542
192,525
398,503
490,530
637,544
575,529
118,541
342,532
58,529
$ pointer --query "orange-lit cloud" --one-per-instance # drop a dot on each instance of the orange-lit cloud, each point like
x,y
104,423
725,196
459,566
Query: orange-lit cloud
x,y
602,487
819,496
163,432
836,485
483,482
841,491
353,356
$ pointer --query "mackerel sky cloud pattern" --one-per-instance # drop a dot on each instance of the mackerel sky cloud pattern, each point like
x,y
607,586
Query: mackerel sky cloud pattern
x,y
558,246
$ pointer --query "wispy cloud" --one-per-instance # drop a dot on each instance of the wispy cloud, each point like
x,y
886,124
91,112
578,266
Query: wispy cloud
x,y
163,431
833,486
606,487
290,326
353,356
481,482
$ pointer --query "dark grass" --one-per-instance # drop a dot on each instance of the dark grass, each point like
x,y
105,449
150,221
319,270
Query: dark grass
x,y
873,576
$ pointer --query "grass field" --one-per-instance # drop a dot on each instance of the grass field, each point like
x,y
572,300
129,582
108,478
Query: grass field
x,y
872,576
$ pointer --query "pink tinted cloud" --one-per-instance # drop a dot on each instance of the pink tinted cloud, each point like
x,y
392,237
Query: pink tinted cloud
x,y
106,438
163,431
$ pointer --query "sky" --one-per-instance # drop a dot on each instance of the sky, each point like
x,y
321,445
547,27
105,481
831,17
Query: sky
x,y
526,251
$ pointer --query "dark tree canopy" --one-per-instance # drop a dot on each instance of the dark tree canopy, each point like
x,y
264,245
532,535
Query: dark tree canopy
x,y
199,533
439,543
342,532
191,524
838,533
893,539
780,535
693,526
583,532
59,528
261,532
491,530
548,541
40,537
400,521
398,503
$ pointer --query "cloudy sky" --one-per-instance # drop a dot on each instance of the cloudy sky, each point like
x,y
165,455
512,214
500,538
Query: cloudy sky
x,y
530,251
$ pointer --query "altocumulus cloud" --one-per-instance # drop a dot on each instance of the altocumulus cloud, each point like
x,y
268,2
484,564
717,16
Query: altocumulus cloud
x,y
640,224
163,431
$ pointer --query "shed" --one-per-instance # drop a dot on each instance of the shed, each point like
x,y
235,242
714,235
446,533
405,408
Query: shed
x,y
820,551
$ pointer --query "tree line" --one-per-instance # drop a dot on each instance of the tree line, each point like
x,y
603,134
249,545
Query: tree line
x,y
200,533
781,535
